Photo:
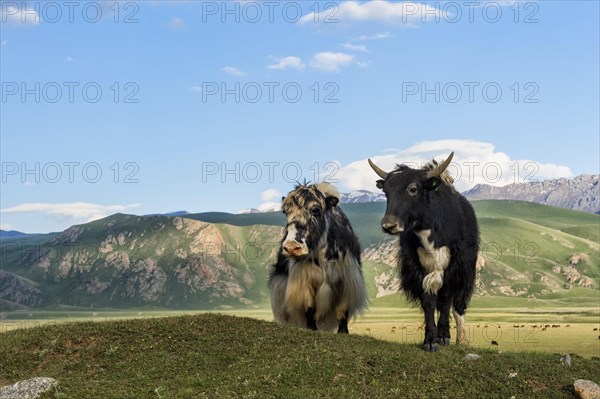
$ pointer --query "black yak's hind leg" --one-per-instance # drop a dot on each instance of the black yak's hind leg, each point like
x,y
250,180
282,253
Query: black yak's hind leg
x,y
459,308
311,321
443,326
343,326
430,344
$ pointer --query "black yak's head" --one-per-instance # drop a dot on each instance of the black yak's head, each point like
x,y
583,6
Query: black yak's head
x,y
408,192
306,209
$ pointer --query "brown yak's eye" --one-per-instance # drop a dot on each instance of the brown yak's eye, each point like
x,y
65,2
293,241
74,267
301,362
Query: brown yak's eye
x,y
315,211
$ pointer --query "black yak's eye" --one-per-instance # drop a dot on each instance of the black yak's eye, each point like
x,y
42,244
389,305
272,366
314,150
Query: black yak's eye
x,y
315,211
412,189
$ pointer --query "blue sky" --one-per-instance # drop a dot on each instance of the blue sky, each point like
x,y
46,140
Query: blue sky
x,y
161,134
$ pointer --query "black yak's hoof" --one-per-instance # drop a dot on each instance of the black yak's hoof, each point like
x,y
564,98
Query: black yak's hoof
x,y
445,341
427,347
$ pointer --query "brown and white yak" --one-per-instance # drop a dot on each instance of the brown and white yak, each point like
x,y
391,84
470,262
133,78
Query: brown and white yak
x,y
317,282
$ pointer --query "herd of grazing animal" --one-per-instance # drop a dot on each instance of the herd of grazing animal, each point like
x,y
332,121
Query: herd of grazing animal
x,y
317,281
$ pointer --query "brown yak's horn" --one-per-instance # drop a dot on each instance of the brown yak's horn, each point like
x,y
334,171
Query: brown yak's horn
x,y
441,167
383,174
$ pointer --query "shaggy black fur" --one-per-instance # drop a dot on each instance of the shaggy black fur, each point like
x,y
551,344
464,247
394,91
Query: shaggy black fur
x,y
419,203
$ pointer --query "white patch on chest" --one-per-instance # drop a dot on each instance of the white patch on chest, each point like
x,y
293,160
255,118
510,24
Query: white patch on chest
x,y
433,260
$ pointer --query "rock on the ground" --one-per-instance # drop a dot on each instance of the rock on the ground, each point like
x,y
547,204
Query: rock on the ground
x,y
28,389
566,360
587,389
472,356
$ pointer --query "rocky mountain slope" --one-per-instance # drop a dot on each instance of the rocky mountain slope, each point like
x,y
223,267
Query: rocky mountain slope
x,y
581,193
198,261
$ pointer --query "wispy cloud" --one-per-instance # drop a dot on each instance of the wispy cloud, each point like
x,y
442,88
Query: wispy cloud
x,y
176,23
16,13
354,47
474,162
76,211
330,61
290,62
6,226
233,71
376,36
401,13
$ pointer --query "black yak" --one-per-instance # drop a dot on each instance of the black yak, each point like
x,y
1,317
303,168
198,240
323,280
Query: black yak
x,y
317,282
439,242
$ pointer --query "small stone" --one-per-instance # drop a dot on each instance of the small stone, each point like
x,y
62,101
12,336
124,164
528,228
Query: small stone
x,y
587,389
472,356
566,360
28,389
512,375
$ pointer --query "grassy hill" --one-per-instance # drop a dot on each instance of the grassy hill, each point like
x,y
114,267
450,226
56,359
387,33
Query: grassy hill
x,y
211,260
213,356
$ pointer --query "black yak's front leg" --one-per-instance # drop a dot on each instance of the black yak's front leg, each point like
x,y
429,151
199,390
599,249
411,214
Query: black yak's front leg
x,y
428,303
443,326
311,321
343,326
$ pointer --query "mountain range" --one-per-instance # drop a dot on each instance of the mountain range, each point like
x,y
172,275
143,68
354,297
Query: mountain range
x,y
216,260
581,193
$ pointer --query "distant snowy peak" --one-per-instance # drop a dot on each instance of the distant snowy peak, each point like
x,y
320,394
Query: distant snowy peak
x,y
353,197
361,196
249,210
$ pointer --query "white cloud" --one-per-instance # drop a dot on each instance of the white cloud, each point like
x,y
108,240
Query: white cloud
x,y
271,200
176,23
6,226
271,194
474,162
19,14
380,10
354,47
76,211
329,61
233,71
290,62
377,36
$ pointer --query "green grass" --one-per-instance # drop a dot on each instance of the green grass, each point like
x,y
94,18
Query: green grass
x,y
214,356
555,218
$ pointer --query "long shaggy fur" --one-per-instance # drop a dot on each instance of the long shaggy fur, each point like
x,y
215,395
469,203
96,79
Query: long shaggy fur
x,y
438,246
329,278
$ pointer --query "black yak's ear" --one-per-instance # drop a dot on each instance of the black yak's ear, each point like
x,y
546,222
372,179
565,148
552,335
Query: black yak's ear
x,y
331,201
379,183
433,183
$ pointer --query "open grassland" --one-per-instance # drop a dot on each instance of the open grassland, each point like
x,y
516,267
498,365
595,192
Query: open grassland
x,y
517,324
207,356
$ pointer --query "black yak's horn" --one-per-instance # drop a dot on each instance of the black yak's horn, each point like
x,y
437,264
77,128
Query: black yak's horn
x,y
441,167
383,174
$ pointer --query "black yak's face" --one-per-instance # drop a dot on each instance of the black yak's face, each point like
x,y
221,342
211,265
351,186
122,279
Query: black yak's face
x,y
407,192
306,211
